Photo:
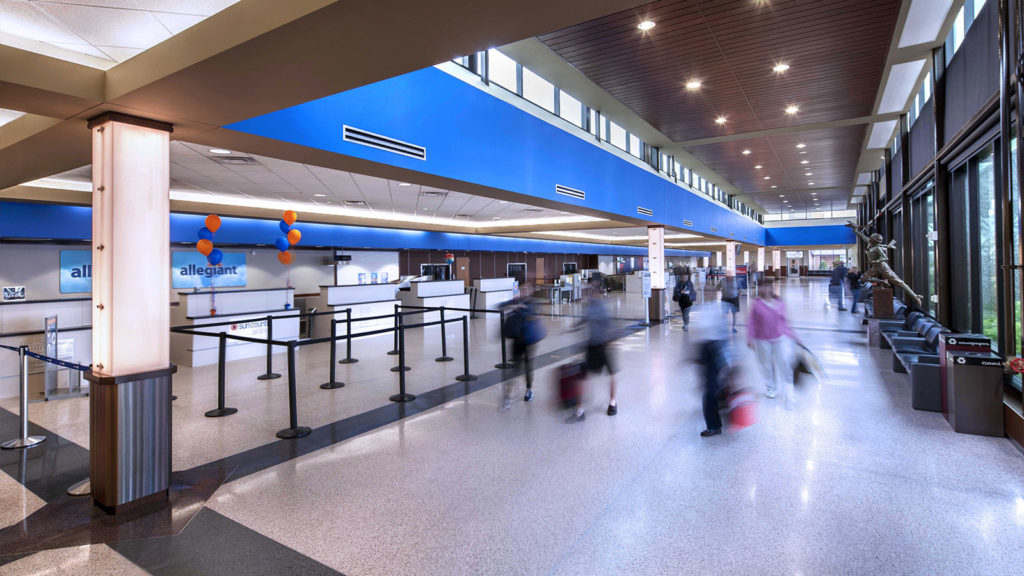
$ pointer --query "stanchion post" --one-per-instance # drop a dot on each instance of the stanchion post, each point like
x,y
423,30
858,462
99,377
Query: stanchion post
x,y
400,346
294,430
402,396
398,317
444,357
504,355
332,383
465,376
23,440
222,354
269,374
348,359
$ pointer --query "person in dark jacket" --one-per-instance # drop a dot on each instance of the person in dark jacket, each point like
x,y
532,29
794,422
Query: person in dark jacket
x,y
685,294
836,292
853,279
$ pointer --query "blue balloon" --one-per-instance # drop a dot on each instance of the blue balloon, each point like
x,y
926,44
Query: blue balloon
x,y
205,234
284,227
215,257
282,244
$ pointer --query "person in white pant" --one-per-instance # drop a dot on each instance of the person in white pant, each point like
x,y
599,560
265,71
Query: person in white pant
x,y
769,334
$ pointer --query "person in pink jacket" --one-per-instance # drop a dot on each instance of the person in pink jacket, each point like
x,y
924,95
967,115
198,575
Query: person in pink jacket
x,y
769,334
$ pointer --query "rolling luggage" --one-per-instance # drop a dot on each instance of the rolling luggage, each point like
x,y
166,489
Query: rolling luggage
x,y
570,384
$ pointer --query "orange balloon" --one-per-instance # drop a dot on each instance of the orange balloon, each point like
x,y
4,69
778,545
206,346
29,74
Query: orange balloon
x,y
204,246
294,236
285,257
213,223
290,217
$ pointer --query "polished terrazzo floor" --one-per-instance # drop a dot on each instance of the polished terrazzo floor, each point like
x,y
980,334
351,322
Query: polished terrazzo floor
x,y
849,480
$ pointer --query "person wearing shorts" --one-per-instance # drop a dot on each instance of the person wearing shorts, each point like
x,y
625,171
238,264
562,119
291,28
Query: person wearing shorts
x,y
598,356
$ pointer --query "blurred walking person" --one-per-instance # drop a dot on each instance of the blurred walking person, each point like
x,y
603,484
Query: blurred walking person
x,y
853,280
598,358
769,334
836,283
685,294
730,297
525,329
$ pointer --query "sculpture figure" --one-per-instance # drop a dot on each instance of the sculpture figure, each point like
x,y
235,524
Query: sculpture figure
x,y
878,262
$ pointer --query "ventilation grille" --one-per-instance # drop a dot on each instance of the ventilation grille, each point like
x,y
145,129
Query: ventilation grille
x,y
572,192
713,229
234,160
732,234
644,211
687,222
357,136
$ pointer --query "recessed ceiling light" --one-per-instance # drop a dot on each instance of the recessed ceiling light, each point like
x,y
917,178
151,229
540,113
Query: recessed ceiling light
x,y
427,209
758,167
808,173
319,195
803,151
801,145
502,201
645,25
403,184
774,186
780,67
693,85
746,152
720,120
780,195
785,201
767,177
564,213
814,193
219,151
810,183
791,110
805,161
496,218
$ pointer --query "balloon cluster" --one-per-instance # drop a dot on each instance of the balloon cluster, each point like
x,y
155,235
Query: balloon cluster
x,y
205,244
291,237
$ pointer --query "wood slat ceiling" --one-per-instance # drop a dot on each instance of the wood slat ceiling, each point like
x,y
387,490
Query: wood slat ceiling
x,y
836,50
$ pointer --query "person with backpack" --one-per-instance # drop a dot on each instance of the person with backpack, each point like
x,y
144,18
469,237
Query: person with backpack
x,y
525,329
685,294
730,297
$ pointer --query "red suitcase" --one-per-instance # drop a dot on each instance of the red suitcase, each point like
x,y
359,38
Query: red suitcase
x,y
570,384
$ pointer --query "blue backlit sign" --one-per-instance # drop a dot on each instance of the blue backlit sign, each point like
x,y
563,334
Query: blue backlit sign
x,y
75,271
191,270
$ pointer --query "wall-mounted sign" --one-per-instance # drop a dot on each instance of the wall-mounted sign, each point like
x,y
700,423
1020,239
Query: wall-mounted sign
x,y
191,270
75,271
14,293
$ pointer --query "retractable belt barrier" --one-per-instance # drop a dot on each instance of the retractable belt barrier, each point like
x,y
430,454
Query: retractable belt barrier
x,y
296,431
24,440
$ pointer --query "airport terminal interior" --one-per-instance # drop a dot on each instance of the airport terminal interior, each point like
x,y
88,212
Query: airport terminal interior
x,y
560,287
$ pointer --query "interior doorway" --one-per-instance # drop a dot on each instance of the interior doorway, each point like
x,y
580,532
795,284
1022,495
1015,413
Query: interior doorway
x,y
436,271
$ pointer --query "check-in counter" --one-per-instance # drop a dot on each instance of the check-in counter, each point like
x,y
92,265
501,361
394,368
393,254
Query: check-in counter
x,y
365,300
246,309
436,293
493,292
22,323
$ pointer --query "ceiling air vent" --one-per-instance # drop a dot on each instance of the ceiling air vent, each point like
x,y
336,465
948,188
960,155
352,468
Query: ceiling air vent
x,y
732,234
357,136
355,202
644,211
566,191
687,222
713,229
235,160
534,210
433,194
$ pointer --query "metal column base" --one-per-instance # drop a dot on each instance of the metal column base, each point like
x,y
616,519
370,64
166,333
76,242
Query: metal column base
x,y
401,369
268,376
297,432
392,352
443,359
402,398
80,488
504,365
218,412
19,443
466,377
332,385
348,361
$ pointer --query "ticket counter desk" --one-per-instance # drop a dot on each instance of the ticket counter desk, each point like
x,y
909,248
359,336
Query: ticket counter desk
x,y
493,292
434,293
22,323
365,300
246,309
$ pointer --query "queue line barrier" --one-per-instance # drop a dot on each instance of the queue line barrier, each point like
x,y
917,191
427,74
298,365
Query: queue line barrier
x,y
24,440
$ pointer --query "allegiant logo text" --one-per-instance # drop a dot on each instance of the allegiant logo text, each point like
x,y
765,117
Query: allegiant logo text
x,y
207,271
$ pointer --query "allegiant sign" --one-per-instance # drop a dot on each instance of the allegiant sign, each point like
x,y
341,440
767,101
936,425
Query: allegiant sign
x,y
191,270
75,271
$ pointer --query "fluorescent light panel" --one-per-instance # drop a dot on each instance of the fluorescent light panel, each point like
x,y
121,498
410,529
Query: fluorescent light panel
x,y
898,86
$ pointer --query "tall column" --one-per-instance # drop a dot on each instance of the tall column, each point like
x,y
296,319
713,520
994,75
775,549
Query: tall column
x,y
656,260
718,259
730,258
760,258
777,262
129,401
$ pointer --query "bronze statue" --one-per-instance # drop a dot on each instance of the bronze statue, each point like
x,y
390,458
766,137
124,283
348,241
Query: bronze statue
x,y
878,262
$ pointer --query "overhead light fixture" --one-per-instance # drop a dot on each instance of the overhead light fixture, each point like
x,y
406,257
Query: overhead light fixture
x,y
219,151
774,186
780,67
767,177
746,152
319,195
355,202
693,85
810,183
791,110
808,173
801,145
404,184
496,218
805,161
780,195
720,120
803,151
645,25
758,167
502,201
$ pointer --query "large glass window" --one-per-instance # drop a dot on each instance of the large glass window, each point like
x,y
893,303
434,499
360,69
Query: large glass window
x,y
987,242
538,90
501,70
569,108
635,147
616,135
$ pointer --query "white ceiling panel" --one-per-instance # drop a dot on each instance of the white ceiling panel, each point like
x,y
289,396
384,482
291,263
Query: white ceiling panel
x,y
198,7
898,85
175,23
108,26
21,18
881,132
924,21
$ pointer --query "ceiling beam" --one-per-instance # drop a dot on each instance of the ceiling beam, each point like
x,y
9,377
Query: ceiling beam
x,y
38,84
789,130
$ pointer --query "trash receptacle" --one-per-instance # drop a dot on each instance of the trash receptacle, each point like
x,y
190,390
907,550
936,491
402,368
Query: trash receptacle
x,y
974,393
960,343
